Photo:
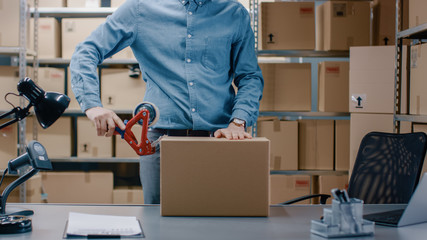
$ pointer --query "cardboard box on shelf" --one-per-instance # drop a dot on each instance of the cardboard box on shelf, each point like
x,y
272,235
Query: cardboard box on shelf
x,y
52,79
9,27
417,13
342,145
9,78
49,37
74,31
287,87
117,3
384,19
279,31
128,195
56,139
89,144
327,183
372,77
50,3
84,3
418,86
283,136
119,91
288,187
316,145
34,189
78,187
363,123
342,24
333,86
214,177
8,143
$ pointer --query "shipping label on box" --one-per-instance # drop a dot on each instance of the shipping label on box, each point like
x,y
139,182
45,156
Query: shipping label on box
x,y
283,136
333,86
287,187
279,31
316,144
89,144
205,176
287,87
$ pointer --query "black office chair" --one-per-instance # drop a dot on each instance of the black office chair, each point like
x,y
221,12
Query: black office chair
x,y
386,170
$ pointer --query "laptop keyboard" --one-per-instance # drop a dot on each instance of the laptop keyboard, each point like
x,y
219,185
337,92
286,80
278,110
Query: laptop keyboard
x,y
391,217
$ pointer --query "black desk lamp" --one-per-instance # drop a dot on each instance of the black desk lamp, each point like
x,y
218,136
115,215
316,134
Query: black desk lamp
x,y
48,107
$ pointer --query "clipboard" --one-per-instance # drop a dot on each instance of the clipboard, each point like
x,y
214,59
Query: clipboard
x,y
95,236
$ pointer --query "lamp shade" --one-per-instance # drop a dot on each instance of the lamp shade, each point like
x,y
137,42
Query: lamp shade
x,y
48,106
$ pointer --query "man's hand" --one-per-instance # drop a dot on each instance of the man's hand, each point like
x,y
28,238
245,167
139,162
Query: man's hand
x,y
232,132
105,121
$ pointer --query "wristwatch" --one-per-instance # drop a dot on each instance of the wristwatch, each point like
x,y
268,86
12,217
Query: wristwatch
x,y
239,122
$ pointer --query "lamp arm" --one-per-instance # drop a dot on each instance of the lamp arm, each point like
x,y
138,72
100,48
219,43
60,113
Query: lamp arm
x,y
19,115
13,185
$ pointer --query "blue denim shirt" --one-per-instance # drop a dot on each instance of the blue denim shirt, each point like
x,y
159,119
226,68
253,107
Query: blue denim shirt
x,y
189,53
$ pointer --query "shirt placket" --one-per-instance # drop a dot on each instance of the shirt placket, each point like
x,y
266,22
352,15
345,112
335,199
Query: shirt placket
x,y
190,59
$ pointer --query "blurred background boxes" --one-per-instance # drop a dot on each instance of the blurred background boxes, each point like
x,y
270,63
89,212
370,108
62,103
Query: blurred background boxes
x,y
287,187
34,189
74,31
9,78
89,144
119,91
49,37
342,24
417,13
333,86
9,27
123,150
342,145
50,3
287,87
279,28
56,139
372,79
327,183
283,136
81,187
83,3
316,145
128,195
418,85
117,3
8,143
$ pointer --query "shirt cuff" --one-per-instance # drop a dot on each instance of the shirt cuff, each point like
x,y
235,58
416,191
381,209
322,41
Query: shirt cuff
x,y
241,114
89,102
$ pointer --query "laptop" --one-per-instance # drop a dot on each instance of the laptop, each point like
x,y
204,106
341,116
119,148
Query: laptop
x,y
415,211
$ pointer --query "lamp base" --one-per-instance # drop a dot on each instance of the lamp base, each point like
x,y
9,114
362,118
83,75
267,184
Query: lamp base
x,y
15,224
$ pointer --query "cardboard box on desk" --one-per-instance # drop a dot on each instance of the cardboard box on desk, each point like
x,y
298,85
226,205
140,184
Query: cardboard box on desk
x,y
417,13
78,187
333,86
214,177
75,30
34,189
372,77
49,37
89,144
418,84
283,136
128,195
8,143
56,139
327,183
9,27
287,87
279,31
342,145
288,187
316,144
119,91
342,24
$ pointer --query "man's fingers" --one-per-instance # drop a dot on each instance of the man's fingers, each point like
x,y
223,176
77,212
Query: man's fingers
x,y
118,122
111,127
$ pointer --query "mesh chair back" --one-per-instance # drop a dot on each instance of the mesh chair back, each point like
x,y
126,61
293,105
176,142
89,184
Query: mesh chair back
x,y
387,167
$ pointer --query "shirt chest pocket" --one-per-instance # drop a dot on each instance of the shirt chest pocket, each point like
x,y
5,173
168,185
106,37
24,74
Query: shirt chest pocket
x,y
216,55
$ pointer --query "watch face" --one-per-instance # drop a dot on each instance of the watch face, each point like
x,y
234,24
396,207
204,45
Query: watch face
x,y
239,121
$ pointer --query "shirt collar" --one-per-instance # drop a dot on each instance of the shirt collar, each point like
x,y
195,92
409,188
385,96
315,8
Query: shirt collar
x,y
198,2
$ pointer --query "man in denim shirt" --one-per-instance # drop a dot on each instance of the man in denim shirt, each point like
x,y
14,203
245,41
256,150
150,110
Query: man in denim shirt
x,y
190,51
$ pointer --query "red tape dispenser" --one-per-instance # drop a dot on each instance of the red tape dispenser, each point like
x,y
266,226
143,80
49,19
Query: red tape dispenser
x,y
146,114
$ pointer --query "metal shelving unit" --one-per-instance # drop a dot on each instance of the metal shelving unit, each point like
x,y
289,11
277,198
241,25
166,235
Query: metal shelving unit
x,y
416,34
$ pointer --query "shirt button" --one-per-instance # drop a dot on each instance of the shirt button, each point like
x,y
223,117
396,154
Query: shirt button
x,y
193,109
200,3
190,13
188,60
189,36
191,83
183,2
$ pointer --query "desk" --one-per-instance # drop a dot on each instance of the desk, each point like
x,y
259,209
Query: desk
x,y
285,222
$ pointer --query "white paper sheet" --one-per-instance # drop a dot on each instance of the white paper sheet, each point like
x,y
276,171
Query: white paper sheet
x,y
82,224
